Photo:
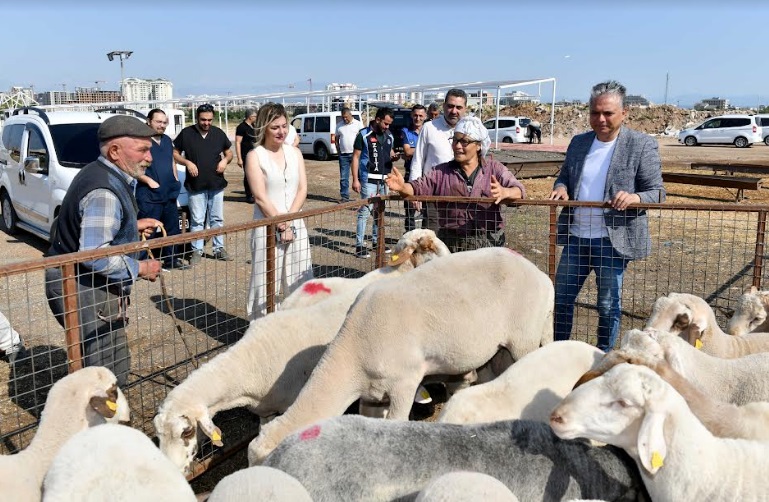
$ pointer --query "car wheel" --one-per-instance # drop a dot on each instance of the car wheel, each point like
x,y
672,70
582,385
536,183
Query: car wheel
x,y
507,140
321,152
766,141
9,214
741,142
690,141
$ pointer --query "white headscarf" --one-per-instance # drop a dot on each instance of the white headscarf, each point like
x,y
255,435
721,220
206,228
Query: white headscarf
x,y
473,128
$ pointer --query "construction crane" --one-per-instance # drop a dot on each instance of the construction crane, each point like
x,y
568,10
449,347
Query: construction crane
x,y
97,82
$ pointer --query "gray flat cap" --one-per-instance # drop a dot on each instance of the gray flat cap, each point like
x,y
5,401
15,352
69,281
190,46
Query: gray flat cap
x,y
124,125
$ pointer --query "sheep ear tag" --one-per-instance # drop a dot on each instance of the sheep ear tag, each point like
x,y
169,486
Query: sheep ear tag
x,y
212,431
398,258
656,460
697,345
104,406
112,405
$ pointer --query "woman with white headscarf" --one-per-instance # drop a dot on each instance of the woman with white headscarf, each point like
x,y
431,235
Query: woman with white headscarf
x,y
466,226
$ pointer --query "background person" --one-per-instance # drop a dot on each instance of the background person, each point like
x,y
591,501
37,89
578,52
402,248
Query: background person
x,y
206,154
279,184
465,227
99,210
535,131
372,160
614,164
409,137
158,188
244,143
346,131
433,112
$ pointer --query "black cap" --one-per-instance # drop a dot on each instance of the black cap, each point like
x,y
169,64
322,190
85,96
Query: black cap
x,y
124,125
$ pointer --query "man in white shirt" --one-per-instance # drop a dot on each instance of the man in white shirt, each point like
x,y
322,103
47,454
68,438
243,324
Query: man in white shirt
x,y
345,139
434,145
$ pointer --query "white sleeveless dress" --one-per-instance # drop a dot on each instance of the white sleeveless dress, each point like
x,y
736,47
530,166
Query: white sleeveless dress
x,y
293,260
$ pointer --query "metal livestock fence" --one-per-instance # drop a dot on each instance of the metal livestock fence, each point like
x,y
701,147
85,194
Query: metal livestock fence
x,y
713,251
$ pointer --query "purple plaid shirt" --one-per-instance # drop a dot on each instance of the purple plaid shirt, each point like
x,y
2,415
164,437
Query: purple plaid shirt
x,y
446,180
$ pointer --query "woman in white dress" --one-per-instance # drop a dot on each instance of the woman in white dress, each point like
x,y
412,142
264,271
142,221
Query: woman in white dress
x,y
278,181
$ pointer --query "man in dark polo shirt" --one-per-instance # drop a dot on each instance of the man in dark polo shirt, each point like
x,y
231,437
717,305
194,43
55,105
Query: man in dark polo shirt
x,y
206,150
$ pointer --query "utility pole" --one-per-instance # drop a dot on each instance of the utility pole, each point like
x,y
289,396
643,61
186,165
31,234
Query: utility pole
x,y
667,84
122,55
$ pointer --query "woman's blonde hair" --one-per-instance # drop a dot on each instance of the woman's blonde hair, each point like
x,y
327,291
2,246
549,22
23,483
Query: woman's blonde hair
x,y
267,113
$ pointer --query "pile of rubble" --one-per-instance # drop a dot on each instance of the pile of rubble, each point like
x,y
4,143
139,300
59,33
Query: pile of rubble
x,y
664,120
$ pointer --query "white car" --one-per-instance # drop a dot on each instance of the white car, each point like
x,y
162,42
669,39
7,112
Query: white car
x,y
763,122
40,154
511,129
740,130
317,132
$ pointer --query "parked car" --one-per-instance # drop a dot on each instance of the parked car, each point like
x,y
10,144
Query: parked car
x,y
40,154
740,130
762,120
511,129
317,132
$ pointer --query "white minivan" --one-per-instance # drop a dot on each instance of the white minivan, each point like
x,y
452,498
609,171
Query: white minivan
x,y
763,122
317,132
510,129
740,130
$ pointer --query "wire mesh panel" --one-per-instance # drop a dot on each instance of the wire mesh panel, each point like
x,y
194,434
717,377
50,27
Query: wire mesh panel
x,y
184,319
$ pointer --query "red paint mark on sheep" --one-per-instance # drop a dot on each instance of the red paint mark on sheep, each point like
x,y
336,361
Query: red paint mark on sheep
x,y
312,288
311,433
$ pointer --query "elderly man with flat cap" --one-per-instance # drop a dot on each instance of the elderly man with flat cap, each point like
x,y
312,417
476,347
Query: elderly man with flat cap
x,y
98,211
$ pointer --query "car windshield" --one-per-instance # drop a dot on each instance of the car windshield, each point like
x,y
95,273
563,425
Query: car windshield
x,y
76,144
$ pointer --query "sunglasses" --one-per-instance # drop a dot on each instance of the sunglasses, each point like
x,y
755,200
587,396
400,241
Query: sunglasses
x,y
462,141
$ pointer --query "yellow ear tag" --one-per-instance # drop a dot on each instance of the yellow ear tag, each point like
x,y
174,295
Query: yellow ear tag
x,y
698,344
215,436
112,405
424,394
656,460
394,257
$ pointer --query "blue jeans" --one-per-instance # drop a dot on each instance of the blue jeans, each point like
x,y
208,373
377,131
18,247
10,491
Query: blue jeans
x,y
579,257
345,159
376,187
209,202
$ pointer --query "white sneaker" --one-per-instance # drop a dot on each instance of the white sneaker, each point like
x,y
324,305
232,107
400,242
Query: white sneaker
x,y
422,396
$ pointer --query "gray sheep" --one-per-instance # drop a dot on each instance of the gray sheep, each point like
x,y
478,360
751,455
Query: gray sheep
x,y
366,459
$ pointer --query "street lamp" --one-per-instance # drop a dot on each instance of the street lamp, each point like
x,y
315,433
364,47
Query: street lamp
x,y
122,55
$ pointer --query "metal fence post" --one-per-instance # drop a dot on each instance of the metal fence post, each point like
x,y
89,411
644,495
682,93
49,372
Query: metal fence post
x,y
379,217
270,266
552,242
71,319
759,253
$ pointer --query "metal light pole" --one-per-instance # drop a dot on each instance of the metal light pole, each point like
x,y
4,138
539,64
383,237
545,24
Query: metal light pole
x,y
122,55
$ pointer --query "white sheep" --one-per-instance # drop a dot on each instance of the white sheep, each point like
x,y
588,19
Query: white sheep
x,y
414,248
750,421
83,399
461,486
528,390
692,319
633,408
116,463
259,483
751,313
266,369
447,317
738,381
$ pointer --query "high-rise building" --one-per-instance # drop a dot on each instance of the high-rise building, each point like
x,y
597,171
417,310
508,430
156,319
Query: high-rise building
x,y
139,89
95,95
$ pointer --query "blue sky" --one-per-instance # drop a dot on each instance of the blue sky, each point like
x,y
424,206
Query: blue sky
x,y
709,48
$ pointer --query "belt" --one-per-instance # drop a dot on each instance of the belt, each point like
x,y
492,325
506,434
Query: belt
x,y
375,177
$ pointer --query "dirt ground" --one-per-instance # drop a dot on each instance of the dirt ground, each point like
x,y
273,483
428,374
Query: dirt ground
x,y
323,180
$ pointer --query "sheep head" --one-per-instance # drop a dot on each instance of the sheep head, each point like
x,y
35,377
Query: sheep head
x,y
751,312
177,431
626,407
681,314
416,248
92,389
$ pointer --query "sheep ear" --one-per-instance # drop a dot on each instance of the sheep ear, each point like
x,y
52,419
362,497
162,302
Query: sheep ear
x,y
105,402
695,336
651,441
210,430
402,256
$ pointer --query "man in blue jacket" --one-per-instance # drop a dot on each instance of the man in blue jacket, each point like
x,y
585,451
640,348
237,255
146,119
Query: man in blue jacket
x,y
158,188
610,164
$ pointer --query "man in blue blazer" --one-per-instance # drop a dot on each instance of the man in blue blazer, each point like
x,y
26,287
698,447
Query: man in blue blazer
x,y
611,164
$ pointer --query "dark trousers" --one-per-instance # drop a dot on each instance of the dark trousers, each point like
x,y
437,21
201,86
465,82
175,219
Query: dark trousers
x,y
168,214
102,317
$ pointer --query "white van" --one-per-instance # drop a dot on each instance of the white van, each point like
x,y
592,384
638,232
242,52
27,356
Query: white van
x,y
317,132
511,129
762,120
740,130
